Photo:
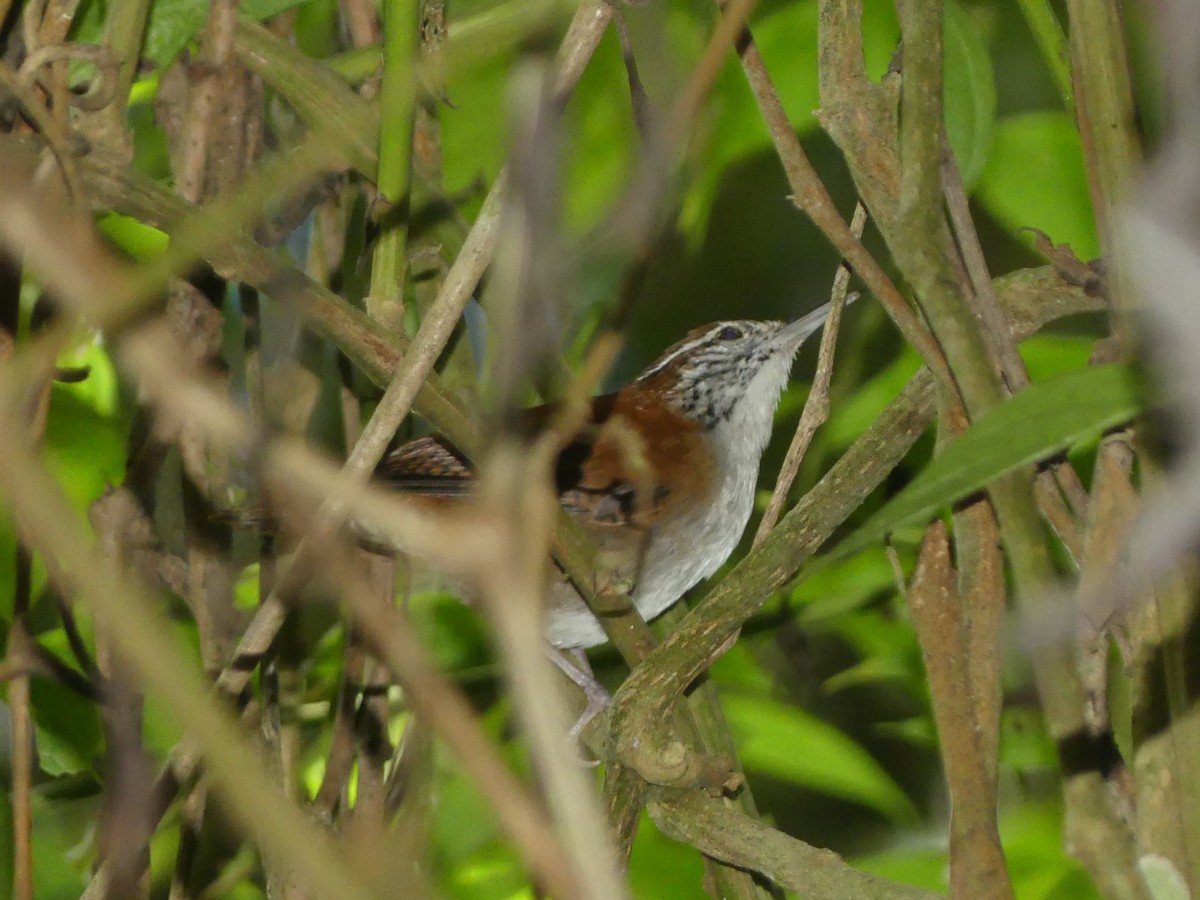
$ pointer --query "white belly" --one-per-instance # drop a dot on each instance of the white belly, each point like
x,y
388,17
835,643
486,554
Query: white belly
x,y
680,554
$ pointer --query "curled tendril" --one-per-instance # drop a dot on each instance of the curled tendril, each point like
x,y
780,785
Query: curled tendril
x,y
56,137
102,88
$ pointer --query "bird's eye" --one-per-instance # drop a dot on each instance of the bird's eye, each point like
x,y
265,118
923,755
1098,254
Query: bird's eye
x,y
729,333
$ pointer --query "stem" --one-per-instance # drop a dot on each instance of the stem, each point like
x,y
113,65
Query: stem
x,y
1105,113
1053,43
385,301
123,31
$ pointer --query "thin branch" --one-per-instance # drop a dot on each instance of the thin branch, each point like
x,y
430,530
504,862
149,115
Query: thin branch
x,y
977,866
20,658
981,297
738,840
816,406
205,85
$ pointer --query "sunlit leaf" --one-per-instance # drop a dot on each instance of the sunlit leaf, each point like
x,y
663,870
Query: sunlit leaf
x,y
99,390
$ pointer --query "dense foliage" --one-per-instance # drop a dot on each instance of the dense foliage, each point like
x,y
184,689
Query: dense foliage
x,y
287,190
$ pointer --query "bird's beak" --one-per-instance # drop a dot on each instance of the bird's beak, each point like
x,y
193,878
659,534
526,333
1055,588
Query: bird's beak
x,y
796,333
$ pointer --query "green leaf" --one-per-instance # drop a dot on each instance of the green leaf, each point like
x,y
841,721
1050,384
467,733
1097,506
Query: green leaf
x,y
136,238
1035,177
1025,745
1047,355
173,23
86,450
1032,835
661,867
788,743
786,36
69,735
1040,421
833,592
969,93
855,414
887,650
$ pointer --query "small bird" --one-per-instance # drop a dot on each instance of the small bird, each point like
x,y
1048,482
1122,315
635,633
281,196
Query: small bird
x,y
662,476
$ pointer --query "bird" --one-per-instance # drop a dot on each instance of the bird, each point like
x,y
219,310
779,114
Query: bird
x,y
662,476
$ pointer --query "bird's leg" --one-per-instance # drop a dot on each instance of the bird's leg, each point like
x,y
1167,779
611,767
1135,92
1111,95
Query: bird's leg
x,y
576,668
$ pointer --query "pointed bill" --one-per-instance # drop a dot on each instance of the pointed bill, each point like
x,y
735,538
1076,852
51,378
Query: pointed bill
x,y
797,332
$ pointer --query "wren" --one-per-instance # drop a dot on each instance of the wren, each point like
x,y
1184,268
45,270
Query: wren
x,y
701,416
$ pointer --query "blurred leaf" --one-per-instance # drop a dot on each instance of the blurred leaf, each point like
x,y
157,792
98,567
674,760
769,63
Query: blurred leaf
x,y
100,391
1035,177
69,733
918,731
854,414
474,859
887,648
738,668
786,36
496,872
1031,834
790,744
173,23
870,670
600,139
160,722
663,869
970,93
61,829
453,632
918,860
1040,421
137,239
1025,745
843,587
245,588
1047,355
8,571
86,450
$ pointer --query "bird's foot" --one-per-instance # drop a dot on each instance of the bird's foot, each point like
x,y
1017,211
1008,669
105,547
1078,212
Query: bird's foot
x,y
576,668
